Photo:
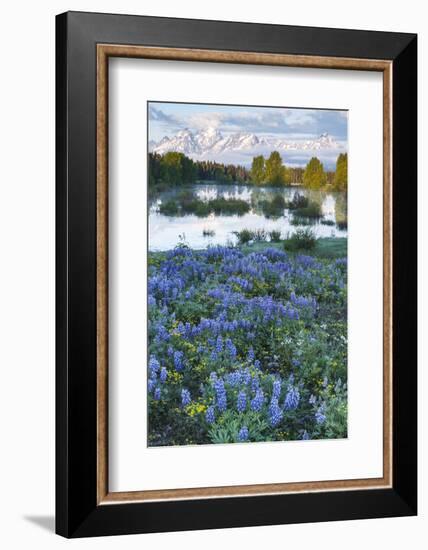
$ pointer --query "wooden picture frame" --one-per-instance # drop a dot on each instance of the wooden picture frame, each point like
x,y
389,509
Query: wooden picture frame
x,y
85,42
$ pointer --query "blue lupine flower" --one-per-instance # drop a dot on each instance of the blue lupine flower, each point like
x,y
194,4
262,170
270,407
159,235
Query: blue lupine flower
x,y
219,344
221,398
246,376
255,384
154,365
151,384
276,388
185,397
178,360
231,348
163,374
157,394
162,334
312,399
275,413
257,364
250,355
210,415
292,398
320,416
243,434
234,378
258,401
241,403
305,435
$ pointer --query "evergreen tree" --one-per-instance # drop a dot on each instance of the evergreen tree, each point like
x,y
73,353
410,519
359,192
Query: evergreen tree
x,y
258,170
314,175
341,176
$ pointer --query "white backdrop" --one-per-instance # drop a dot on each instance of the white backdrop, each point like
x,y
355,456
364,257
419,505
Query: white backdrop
x,y
27,274
132,465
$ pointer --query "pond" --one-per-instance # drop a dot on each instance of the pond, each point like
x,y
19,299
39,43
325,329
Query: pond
x,y
166,231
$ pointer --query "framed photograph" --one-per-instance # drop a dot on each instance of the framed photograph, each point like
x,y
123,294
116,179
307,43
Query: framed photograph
x,y
236,274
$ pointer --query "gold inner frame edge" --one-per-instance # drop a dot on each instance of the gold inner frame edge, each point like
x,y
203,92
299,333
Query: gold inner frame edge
x,y
104,52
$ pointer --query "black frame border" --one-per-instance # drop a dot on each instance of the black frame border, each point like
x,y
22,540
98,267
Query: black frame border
x,y
77,512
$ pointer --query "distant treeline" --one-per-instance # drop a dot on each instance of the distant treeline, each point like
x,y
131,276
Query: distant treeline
x,y
177,169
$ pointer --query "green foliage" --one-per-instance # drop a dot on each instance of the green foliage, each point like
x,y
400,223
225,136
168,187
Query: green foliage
x,y
227,428
222,173
298,201
259,235
244,236
188,203
175,168
312,210
275,170
273,208
341,211
302,239
258,171
331,247
275,236
169,208
220,205
314,176
247,235
271,171
297,220
341,175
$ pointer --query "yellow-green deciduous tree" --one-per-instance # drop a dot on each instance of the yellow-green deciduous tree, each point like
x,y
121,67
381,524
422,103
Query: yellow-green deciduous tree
x,y
258,171
314,175
341,175
275,170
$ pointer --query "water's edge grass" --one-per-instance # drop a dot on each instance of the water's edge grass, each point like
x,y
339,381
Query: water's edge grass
x,y
325,247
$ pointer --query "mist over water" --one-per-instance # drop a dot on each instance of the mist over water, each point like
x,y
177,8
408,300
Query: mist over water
x,y
165,232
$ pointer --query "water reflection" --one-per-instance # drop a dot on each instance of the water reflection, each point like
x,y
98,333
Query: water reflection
x,y
166,231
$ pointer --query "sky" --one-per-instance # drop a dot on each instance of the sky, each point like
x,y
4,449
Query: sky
x,y
293,124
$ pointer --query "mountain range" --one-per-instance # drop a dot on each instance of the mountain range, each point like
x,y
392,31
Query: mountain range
x,y
211,143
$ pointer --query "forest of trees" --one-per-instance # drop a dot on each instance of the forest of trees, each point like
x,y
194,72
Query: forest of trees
x,y
177,169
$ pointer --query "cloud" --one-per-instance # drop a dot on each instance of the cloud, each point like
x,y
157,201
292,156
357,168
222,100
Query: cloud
x,y
259,120
157,115
255,120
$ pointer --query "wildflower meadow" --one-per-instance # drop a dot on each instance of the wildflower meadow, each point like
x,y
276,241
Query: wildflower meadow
x,y
246,346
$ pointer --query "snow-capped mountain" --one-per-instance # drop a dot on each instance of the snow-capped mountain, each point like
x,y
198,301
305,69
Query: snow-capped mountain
x,y
209,142
183,142
206,139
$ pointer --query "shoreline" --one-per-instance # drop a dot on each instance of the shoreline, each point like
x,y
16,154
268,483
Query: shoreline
x,y
326,247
